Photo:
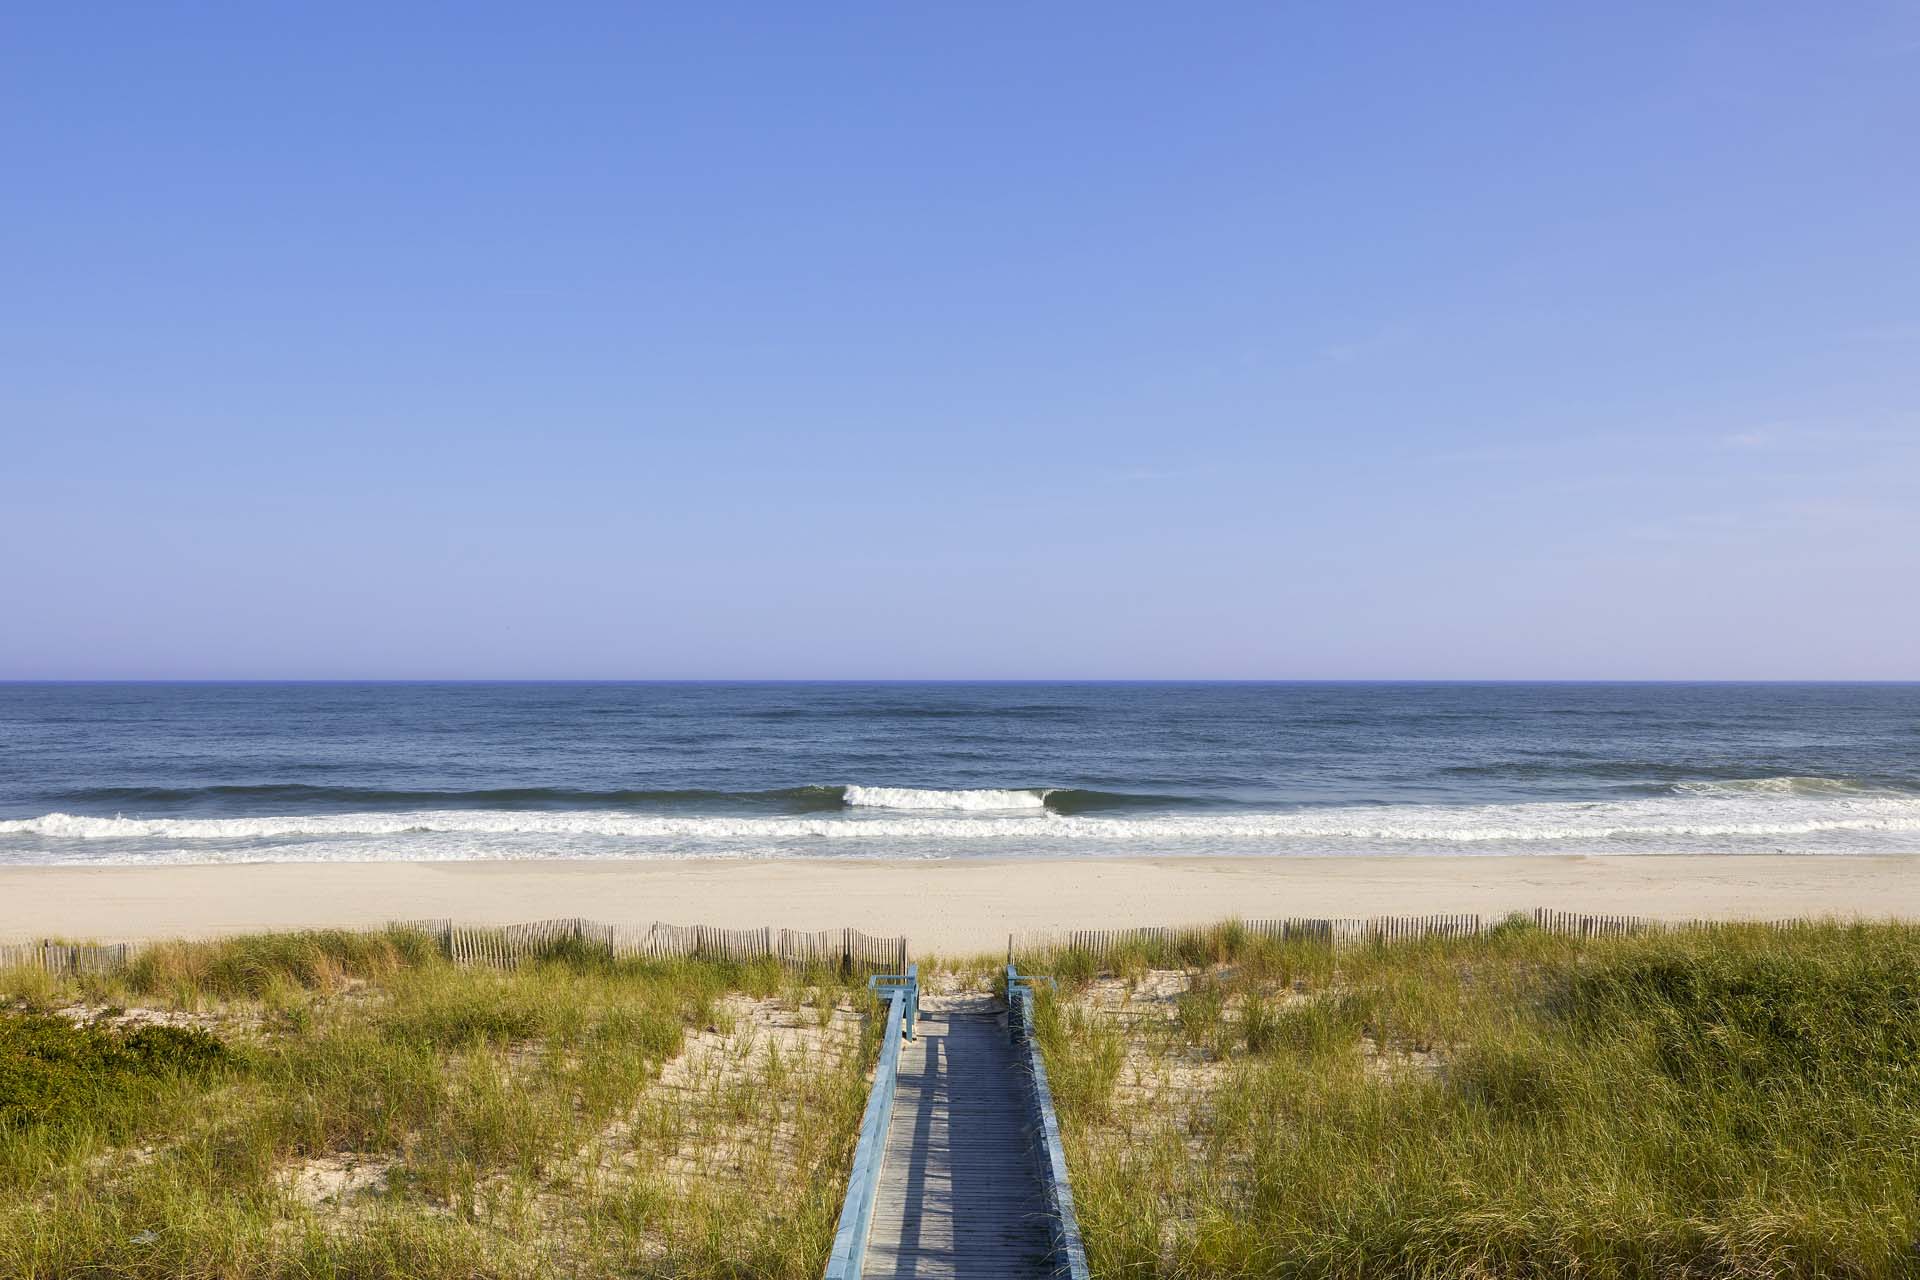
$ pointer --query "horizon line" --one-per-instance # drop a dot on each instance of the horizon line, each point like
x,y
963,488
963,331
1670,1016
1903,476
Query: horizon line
x,y
950,680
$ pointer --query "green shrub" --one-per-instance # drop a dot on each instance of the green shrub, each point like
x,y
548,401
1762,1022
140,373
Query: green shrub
x,y
1720,1007
54,1070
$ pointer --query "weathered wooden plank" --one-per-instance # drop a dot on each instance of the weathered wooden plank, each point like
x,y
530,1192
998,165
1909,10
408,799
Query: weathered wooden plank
x,y
959,1193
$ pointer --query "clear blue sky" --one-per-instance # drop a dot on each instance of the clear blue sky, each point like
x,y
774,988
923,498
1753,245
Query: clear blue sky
x,y
1104,340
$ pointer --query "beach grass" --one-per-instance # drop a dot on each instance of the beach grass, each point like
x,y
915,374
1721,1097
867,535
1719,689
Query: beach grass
x,y
1735,1101
335,1104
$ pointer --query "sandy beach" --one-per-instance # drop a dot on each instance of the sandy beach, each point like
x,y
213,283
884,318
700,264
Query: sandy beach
x,y
948,907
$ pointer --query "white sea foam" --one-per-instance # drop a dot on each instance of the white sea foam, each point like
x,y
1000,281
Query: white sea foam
x,y
1781,786
1757,820
858,797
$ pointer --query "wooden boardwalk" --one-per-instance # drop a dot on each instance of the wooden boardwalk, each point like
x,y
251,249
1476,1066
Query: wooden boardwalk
x,y
960,1193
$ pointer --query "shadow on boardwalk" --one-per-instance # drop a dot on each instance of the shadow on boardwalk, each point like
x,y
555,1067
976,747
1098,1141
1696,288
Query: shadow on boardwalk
x,y
960,1195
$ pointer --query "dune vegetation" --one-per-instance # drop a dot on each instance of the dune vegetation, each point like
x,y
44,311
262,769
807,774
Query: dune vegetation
x,y
340,1104
1724,1102
1736,1101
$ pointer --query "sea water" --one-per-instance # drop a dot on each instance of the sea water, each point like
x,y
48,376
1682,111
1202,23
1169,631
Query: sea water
x,y
168,773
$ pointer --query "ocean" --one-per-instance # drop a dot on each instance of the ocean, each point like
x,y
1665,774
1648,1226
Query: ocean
x,y
178,773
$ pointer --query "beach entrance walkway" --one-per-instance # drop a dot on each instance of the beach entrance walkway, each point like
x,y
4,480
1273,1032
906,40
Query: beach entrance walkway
x,y
959,1192
959,1170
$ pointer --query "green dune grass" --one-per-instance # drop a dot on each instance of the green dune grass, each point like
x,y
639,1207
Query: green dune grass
x,y
337,1104
1731,1102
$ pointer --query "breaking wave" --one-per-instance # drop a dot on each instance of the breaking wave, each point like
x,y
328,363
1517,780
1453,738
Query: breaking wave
x,y
926,798
1760,815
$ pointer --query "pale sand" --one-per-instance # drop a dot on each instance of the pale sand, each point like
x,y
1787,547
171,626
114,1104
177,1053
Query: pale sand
x,y
947,907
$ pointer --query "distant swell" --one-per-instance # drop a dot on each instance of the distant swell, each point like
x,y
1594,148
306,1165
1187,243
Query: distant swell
x,y
270,798
363,798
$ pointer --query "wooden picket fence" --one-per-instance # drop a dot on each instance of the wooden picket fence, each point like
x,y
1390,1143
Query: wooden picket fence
x,y
1328,931
62,958
857,952
505,945
1343,933
1586,926
500,946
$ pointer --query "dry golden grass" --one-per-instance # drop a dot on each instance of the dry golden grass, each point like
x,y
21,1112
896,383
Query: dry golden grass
x,y
1736,1102
379,1112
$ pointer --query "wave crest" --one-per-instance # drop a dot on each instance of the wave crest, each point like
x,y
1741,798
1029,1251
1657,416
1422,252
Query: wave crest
x,y
1783,785
858,797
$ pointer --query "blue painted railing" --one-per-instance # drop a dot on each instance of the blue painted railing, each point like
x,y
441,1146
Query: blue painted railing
x,y
901,991
884,984
1070,1250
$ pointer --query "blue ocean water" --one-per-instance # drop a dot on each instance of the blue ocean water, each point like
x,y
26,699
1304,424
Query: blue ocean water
x,y
134,773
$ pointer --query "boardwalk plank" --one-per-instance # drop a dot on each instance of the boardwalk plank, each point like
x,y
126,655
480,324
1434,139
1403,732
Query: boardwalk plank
x,y
960,1195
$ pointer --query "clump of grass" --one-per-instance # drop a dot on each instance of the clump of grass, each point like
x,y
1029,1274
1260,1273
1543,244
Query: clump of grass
x,y
1201,1012
29,987
1729,1102
1259,1027
260,966
256,965
1082,1081
1076,968
1325,1024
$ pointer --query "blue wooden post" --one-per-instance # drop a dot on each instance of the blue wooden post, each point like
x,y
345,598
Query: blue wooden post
x,y
913,997
908,984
